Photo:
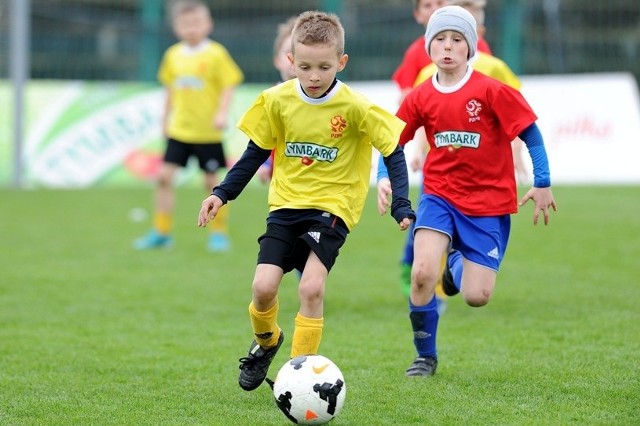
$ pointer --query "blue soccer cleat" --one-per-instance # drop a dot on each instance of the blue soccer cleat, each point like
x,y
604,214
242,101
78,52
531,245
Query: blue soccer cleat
x,y
153,240
218,242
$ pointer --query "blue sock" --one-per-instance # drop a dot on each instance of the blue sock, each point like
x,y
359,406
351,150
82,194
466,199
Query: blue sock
x,y
407,257
424,322
455,266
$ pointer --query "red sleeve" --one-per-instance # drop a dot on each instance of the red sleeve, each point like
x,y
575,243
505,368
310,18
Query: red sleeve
x,y
415,58
407,113
483,46
514,112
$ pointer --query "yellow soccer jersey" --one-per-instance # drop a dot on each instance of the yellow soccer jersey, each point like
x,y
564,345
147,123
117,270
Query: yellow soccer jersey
x,y
323,146
484,63
196,77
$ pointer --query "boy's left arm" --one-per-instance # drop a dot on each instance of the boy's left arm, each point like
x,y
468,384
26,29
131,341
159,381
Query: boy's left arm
x,y
541,192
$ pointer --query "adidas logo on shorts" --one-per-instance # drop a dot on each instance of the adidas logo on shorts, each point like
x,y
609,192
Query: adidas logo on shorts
x,y
494,253
315,236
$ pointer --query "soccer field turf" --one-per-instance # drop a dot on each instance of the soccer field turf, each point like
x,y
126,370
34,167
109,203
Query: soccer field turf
x,y
95,333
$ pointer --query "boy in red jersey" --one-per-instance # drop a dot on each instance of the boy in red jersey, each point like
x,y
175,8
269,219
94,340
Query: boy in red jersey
x,y
469,182
415,59
322,133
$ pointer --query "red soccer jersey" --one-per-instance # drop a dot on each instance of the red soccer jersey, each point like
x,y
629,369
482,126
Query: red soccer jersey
x,y
469,128
415,58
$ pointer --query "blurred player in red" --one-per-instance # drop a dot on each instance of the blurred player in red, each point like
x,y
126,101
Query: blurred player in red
x,y
415,57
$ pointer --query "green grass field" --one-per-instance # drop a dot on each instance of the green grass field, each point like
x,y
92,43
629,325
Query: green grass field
x,y
95,333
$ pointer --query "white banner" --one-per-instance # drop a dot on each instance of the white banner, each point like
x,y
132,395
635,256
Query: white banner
x,y
590,124
81,134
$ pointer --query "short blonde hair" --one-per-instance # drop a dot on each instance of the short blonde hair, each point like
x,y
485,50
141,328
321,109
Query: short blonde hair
x,y
315,27
181,7
284,31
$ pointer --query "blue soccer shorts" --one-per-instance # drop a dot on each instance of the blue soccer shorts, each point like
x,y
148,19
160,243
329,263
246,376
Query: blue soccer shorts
x,y
480,239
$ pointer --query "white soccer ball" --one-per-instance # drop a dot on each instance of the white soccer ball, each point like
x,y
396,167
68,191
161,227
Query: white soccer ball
x,y
310,390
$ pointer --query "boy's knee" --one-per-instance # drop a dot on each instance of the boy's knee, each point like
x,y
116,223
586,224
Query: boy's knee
x,y
424,278
164,181
476,298
264,291
311,290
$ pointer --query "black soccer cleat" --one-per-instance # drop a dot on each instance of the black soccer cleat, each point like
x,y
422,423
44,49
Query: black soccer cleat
x,y
448,286
254,367
422,367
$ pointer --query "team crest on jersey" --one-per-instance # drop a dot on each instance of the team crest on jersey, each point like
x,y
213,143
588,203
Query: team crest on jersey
x,y
338,124
473,109
310,152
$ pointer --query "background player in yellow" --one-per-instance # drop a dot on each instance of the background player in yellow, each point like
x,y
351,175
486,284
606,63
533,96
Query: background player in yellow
x,y
199,76
322,133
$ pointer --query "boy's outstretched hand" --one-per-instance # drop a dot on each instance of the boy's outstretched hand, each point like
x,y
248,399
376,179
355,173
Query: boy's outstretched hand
x,y
209,209
543,199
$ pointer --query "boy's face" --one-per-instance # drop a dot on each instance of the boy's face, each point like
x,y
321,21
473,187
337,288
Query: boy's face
x,y
425,9
281,60
449,51
193,26
316,66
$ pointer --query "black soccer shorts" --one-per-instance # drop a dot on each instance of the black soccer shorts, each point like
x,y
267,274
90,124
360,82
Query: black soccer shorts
x,y
210,155
288,246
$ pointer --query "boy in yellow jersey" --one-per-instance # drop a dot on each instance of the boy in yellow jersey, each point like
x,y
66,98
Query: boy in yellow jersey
x,y
199,76
322,132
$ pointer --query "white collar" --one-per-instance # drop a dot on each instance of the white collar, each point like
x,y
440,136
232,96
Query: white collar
x,y
450,89
192,50
318,101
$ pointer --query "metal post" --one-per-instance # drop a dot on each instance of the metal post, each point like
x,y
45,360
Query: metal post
x,y
332,6
19,34
512,35
151,19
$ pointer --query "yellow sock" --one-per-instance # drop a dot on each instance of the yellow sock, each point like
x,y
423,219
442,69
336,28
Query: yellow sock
x,y
306,336
439,290
265,325
220,223
163,222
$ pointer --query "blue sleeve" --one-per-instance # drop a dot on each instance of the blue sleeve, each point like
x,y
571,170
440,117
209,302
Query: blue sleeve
x,y
382,169
532,138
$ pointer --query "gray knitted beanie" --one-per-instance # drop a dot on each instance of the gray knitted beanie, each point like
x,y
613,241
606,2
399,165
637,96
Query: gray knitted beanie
x,y
453,18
